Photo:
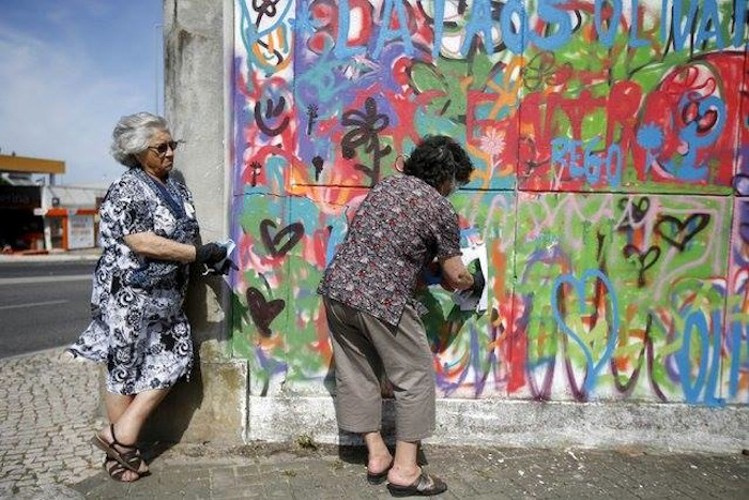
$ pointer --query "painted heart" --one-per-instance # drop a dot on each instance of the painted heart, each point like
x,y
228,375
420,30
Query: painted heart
x,y
578,285
647,259
263,312
639,209
679,233
293,232
636,211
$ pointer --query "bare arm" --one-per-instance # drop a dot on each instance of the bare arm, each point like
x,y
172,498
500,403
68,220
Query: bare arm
x,y
158,247
456,276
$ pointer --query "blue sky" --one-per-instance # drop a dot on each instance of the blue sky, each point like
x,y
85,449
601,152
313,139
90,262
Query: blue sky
x,y
68,70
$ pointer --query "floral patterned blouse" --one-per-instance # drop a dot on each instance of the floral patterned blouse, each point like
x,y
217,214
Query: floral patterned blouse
x,y
139,328
402,225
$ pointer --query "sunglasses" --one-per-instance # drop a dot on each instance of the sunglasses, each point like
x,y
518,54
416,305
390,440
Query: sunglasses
x,y
162,148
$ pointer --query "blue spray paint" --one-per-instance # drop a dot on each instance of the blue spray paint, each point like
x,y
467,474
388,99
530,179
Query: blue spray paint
x,y
709,26
250,35
480,22
680,35
708,371
565,153
737,329
739,16
386,34
439,26
634,27
549,13
688,169
515,41
578,285
616,158
650,138
606,36
342,50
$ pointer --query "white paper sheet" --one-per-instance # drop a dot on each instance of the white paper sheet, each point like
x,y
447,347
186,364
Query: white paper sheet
x,y
465,300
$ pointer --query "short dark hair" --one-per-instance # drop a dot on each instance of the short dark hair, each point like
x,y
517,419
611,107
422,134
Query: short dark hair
x,y
439,158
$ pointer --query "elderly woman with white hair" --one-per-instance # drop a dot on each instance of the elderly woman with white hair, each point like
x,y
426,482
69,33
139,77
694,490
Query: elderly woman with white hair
x,y
149,235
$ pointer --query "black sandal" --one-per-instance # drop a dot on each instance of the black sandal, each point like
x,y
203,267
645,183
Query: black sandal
x,y
130,459
380,477
116,470
425,485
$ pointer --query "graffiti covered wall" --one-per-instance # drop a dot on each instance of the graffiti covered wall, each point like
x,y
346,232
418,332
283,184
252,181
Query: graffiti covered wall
x,y
610,140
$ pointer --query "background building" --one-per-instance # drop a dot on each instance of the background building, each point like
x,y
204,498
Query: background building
x,y
37,215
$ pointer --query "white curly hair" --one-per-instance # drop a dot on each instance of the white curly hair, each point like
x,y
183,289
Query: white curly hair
x,y
132,135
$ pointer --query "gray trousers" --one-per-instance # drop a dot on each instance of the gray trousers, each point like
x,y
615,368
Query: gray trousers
x,y
364,346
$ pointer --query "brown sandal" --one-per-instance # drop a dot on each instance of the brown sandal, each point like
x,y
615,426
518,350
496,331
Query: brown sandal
x,y
116,470
129,459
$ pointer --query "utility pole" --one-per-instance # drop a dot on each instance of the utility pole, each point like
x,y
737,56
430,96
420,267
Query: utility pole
x,y
158,57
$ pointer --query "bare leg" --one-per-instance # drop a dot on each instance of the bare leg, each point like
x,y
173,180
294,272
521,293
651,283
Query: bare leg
x,y
379,456
128,414
130,423
405,469
116,405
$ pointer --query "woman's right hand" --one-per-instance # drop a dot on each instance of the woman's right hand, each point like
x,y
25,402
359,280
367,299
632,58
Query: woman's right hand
x,y
455,274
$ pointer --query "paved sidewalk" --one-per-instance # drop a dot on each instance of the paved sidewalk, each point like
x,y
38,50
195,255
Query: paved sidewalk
x,y
296,473
48,411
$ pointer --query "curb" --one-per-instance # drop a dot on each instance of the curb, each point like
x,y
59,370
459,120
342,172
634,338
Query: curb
x,y
18,259
44,352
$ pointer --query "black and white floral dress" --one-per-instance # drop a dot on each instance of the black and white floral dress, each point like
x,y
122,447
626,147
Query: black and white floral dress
x,y
139,327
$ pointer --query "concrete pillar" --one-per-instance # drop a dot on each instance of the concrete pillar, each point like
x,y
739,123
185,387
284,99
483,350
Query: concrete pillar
x,y
212,405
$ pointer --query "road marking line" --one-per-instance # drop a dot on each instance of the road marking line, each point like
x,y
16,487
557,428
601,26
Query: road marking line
x,y
34,304
45,279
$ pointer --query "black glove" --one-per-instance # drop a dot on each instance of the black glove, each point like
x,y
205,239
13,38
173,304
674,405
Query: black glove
x,y
210,253
226,267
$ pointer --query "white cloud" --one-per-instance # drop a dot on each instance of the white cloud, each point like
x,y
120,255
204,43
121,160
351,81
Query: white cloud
x,y
55,103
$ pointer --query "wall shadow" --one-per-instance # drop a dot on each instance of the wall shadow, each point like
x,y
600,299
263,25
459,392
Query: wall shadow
x,y
170,421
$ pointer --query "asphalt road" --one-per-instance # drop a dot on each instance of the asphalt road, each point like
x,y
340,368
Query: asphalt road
x,y
43,304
